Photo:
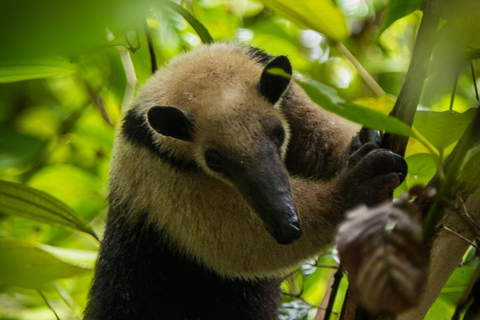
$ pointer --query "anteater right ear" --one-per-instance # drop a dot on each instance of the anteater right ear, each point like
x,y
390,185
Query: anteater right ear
x,y
171,122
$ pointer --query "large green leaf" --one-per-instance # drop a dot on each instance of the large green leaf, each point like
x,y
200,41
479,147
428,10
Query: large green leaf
x,y
19,70
30,265
364,116
319,15
442,128
20,200
397,9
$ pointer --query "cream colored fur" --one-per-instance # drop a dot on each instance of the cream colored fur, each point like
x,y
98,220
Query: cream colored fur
x,y
202,213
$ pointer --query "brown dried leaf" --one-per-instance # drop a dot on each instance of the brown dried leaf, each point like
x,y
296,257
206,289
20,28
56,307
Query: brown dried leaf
x,y
382,251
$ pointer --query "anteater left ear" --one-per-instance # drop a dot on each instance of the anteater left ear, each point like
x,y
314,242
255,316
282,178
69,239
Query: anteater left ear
x,y
275,78
171,122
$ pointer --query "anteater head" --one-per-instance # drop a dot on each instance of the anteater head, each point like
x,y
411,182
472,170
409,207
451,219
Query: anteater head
x,y
231,122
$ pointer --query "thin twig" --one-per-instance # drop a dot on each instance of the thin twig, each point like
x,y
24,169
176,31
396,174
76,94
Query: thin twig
x,y
48,304
333,294
454,91
469,217
461,237
98,101
361,70
151,49
474,80
65,297
324,266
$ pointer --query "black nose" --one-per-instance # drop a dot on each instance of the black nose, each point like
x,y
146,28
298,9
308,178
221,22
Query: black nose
x,y
286,233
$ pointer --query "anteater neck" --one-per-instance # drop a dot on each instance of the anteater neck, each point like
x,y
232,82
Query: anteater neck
x,y
140,276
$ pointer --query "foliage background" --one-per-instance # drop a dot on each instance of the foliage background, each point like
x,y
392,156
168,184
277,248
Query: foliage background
x,y
58,114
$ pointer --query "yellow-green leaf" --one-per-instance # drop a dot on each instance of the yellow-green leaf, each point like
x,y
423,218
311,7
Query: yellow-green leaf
x,y
28,264
319,15
367,117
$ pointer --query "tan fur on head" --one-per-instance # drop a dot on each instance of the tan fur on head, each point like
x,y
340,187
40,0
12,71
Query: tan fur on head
x,y
205,217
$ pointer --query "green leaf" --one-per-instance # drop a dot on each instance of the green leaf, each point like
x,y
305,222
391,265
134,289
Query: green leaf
x,y
442,129
199,27
397,9
20,200
421,169
31,265
319,15
350,111
17,148
15,70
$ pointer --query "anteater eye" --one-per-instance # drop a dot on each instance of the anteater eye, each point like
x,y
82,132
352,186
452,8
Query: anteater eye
x,y
214,160
278,136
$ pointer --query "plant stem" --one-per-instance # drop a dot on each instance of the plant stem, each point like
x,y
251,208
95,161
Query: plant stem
x,y
361,70
333,294
474,80
48,304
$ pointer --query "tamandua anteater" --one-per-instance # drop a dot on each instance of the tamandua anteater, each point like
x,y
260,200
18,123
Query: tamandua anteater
x,y
225,177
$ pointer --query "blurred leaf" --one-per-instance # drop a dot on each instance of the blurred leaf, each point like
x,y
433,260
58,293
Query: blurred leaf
x,y
397,9
367,117
199,27
442,128
382,252
320,15
383,104
280,46
12,71
421,169
316,285
459,280
77,187
19,200
32,29
217,18
17,148
30,265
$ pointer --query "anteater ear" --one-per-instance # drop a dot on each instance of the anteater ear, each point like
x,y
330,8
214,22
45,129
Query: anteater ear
x,y
171,122
275,78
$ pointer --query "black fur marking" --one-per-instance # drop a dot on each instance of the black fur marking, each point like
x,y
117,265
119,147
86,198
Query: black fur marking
x,y
136,130
140,276
259,55
272,85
